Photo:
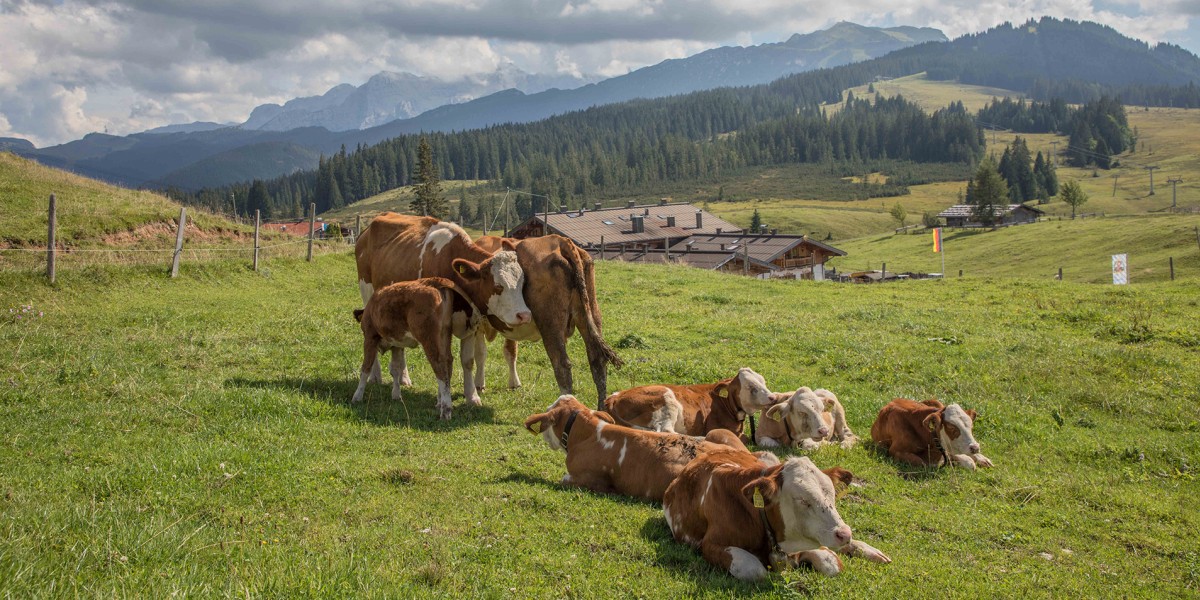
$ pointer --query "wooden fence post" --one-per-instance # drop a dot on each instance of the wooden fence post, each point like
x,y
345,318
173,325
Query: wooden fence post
x,y
257,223
960,272
1060,273
884,272
179,242
50,249
312,228
1172,262
358,227
601,247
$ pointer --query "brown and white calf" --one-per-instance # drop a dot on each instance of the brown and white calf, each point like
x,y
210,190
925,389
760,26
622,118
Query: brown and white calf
x,y
611,459
805,419
928,433
744,516
405,248
425,313
692,409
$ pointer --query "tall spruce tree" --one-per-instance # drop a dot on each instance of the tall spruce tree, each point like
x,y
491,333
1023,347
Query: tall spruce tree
x,y
755,222
991,193
428,198
259,200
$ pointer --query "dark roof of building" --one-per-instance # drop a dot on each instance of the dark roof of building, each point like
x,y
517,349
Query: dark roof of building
x,y
710,260
763,247
966,210
615,225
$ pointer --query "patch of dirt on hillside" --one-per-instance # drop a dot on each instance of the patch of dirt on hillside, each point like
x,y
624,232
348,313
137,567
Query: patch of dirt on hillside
x,y
164,231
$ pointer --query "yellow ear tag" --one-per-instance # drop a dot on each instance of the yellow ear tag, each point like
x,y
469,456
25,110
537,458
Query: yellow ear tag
x,y
774,417
538,427
758,499
462,269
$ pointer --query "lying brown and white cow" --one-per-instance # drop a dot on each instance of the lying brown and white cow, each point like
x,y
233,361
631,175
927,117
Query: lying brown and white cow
x,y
560,289
404,248
692,409
805,419
928,433
608,458
744,516
425,312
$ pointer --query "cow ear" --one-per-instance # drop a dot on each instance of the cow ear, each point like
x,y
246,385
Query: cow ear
x,y
536,423
761,491
777,412
933,421
722,388
828,397
777,397
507,244
971,413
465,268
840,477
603,416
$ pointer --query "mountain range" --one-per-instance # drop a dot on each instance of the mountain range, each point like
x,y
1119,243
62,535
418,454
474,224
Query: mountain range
x,y
1050,54
391,104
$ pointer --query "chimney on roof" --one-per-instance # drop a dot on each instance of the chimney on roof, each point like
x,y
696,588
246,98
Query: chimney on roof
x,y
670,221
688,246
662,201
774,231
596,206
699,219
722,246
639,223
763,229
629,204
718,231
647,212
562,208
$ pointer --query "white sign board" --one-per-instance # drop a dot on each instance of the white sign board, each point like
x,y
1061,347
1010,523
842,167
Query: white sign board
x,y
1120,269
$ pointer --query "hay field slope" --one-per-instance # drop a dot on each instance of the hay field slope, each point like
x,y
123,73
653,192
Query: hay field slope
x,y
193,436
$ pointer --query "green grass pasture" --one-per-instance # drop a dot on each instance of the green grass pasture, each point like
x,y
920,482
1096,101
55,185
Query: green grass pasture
x,y
192,437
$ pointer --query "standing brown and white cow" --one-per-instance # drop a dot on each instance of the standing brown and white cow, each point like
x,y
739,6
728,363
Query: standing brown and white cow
x,y
404,248
560,288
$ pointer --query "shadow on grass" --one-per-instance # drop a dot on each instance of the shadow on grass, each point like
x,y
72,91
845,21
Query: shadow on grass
x,y
550,484
903,469
684,560
417,410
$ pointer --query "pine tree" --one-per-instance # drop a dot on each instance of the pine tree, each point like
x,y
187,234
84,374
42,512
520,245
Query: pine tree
x,y
259,200
755,222
428,198
991,193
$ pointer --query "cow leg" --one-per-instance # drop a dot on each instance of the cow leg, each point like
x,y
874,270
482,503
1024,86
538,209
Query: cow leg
x,y
595,483
739,563
556,350
510,356
397,369
376,374
370,359
981,460
599,366
910,458
822,560
442,360
963,460
481,352
864,550
467,358
398,360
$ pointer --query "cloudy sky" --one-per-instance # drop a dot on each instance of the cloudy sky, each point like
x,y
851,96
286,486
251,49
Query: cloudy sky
x,y
70,67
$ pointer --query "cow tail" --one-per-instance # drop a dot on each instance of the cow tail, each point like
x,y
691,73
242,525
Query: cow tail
x,y
583,273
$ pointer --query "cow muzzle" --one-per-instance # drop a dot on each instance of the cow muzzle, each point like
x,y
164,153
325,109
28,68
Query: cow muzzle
x,y
523,318
843,534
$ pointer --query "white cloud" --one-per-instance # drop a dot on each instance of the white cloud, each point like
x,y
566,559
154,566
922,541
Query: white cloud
x,y
74,66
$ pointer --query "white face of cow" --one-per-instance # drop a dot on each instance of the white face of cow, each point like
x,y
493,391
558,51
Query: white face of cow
x,y
803,412
753,394
507,301
806,502
958,431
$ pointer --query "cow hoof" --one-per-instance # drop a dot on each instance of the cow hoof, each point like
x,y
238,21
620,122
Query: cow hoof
x,y
406,381
444,413
356,398
849,442
982,461
512,385
476,401
396,395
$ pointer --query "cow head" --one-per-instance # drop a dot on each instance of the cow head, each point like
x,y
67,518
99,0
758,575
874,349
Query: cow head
x,y
804,497
956,428
803,411
495,287
551,423
747,389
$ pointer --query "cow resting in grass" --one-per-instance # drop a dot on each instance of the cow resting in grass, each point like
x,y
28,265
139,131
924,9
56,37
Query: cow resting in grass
x,y
611,459
745,517
560,289
928,433
692,409
805,419
425,313
404,248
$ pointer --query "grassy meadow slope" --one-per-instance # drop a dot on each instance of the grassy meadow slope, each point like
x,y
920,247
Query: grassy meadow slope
x,y
1083,248
88,210
193,436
